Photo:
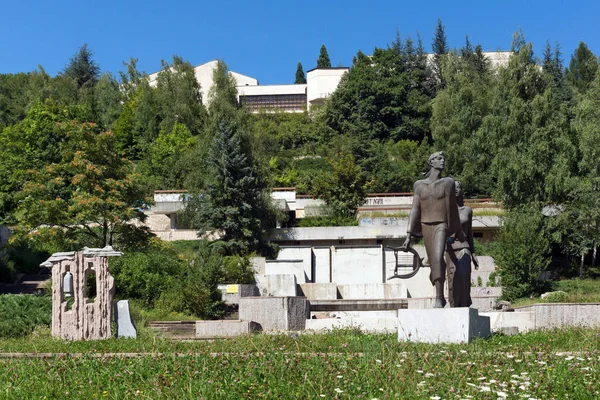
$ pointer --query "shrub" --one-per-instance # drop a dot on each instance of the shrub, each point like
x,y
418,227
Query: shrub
x,y
195,291
145,274
522,253
20,314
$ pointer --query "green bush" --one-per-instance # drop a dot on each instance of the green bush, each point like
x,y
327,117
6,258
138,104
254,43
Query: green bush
x,y
522,253
327,220
195,290
20,314
8,271
145,274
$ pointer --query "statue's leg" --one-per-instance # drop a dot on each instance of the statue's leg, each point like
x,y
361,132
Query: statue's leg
x,y
439,250
451,272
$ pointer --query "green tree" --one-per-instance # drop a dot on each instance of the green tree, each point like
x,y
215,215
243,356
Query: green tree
x,y
522,252
13,98
234,202
344,189
582,68
82,68
440,49
165,165
108,101
300,78
30,145
527,134
458,112
178,96
323,60
90,189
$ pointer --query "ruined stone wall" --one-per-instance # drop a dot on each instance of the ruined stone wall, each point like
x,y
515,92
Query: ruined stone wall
x,y
82,318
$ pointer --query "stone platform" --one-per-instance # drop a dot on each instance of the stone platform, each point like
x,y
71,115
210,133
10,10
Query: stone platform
x,y
442,325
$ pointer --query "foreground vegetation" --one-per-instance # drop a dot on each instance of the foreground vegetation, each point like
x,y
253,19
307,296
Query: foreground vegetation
x,y
340,364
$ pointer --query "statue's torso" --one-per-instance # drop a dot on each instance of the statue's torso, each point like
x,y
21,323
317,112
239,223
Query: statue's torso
x,y
433,197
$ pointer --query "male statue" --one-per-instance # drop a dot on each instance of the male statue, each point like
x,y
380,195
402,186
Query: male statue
x,y
435,217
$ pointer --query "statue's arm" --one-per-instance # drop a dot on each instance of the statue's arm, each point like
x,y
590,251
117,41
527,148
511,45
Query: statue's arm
x,y
470,240
414,219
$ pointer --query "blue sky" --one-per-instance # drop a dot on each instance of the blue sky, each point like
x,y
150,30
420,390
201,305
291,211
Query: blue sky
x,y
266,39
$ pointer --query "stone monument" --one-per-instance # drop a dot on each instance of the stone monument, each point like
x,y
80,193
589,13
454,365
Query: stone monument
x,y
435,217
81,316
459,255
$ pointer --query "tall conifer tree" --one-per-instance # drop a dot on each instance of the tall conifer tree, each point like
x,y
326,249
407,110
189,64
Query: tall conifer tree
x,y
323,60
300,78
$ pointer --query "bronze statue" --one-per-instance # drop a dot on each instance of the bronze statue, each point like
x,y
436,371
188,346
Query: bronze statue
x,y
459,255
434,216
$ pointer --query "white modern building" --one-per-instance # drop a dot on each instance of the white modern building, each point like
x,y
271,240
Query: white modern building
x,y
291,98
320,84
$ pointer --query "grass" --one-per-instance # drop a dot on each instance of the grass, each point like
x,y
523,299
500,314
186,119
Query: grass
x,y
339,364
482,212
575,291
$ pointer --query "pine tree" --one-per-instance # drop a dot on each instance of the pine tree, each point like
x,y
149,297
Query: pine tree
x,y
300,78
582,68
82,68
440,49
323,60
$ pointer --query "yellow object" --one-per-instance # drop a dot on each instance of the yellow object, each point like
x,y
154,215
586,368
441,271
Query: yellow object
x,y
231,289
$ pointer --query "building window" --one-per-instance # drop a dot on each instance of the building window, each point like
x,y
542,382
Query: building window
x,y
285,102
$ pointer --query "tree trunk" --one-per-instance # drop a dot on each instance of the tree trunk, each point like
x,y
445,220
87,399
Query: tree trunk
x,y
581,265
594,257
104,233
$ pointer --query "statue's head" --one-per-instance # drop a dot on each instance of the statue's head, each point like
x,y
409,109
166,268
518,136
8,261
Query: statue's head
x,y
436,160
458,189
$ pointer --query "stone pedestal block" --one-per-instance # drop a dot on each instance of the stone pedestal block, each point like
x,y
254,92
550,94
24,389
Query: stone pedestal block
x,y
442,325
218,329
276,285
275,313
125,327
319,291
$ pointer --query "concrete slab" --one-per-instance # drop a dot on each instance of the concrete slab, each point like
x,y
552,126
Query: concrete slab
x,y
438,325
554,315
372,324
319,291
222,328
501,321
373,291
303,253
125,327
357,264
275,313
276,285
284,267
322,264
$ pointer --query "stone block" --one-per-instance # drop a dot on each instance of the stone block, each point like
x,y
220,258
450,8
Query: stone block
x,y
322,264
319,291
224,328
125,327
258,264
285,267
275,313
357,264
373,291
276,285
442,325
523,321
378,322
559,315
303,253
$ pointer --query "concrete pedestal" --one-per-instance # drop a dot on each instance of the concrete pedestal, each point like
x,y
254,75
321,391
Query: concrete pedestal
x,y
442,325
275,313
